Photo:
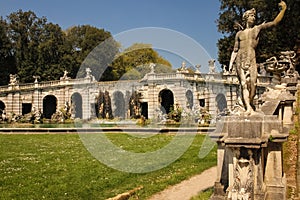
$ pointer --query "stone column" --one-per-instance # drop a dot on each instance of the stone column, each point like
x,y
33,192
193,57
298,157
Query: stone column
x,y
288,112
37,98
17,108
274,177
13,103
86,104
152,101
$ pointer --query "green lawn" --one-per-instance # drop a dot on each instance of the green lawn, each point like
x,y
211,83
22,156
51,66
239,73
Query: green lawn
x,y
59,167
204,195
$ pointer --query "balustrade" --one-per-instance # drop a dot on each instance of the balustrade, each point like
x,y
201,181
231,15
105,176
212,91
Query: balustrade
x,y
229,79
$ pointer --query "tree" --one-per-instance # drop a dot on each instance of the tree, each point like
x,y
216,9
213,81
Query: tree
x,y
30,46
25,29
37,46
43,49
50,52
7,61
90,47
140,71
272,41
135,62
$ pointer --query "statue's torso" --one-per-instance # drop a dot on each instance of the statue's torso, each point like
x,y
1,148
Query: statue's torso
x,y
248,40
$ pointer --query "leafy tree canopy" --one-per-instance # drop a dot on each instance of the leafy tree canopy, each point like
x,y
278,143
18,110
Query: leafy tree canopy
x,y
32,46
133,62
90,47
280,38
7,59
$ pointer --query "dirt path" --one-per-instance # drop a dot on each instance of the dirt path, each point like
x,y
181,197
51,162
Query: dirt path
x,y
188,188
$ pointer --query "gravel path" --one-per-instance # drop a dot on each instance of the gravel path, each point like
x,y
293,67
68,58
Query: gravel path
x,y
188,188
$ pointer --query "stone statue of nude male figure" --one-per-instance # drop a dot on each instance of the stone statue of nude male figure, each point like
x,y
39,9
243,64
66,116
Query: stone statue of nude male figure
x,y
243,54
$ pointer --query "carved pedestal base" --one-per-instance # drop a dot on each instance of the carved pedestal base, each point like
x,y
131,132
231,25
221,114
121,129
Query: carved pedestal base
x,y
250,158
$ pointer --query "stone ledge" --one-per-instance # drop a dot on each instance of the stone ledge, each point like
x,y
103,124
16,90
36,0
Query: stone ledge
x,y
246,142
249,127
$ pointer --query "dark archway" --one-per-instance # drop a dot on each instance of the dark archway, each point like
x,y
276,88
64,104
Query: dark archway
x,y
119,104
166,99
202,102
49,106
144,107
189,99
2,107
221,102
26,108
76,105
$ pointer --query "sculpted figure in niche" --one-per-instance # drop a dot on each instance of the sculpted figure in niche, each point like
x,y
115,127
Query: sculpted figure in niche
x,y
243,55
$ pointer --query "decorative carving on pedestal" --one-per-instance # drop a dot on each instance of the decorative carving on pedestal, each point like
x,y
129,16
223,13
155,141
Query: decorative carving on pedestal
x,y
243,176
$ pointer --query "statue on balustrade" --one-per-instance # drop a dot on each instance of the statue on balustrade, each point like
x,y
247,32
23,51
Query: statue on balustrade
x,y
13,79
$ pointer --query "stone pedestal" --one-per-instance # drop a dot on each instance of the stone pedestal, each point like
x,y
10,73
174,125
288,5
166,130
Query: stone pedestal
x,y
250,158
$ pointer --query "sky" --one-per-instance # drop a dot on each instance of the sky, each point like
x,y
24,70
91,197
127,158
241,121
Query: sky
x,y
186,24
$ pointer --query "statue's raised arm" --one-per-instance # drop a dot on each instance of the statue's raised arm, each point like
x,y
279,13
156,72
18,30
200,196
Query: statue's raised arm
x,y
282,6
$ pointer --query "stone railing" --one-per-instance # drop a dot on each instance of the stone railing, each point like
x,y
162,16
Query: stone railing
x,y
64,82
165,76
264,80
216,78
31,86
261,80
3,88
117,82
181,75
48,84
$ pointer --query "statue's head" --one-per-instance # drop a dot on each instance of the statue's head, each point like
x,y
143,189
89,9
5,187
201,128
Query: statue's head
x,y
247,14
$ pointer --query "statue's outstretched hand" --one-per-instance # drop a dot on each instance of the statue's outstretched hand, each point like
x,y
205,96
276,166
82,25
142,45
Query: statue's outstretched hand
x,y
282,5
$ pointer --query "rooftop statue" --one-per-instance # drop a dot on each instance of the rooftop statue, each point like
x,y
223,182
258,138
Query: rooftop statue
x,y
152,65
65,76
13,79
212,67
183,68
198,66
243,55
36,78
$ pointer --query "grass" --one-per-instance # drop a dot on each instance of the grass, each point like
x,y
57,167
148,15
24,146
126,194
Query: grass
x,y
204,195
59,167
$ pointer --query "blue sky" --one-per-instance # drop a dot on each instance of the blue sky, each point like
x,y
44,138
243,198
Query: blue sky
x,y
195,19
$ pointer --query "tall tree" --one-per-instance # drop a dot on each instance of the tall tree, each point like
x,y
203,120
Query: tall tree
x,y
7,61
25,30
90,47
38,46
50,52
272,41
